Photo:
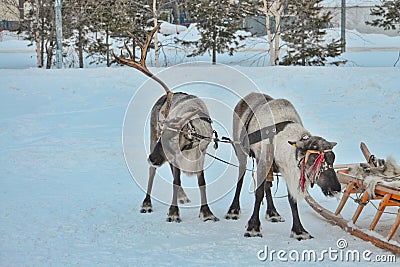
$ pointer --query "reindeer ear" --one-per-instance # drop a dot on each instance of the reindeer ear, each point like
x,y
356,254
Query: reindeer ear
x,y
333,144
298,144
292,143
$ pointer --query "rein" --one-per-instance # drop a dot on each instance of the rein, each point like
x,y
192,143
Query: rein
x,y
227,162
312,174
192,133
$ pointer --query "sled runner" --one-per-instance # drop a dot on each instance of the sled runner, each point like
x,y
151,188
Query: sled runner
x,y
365,182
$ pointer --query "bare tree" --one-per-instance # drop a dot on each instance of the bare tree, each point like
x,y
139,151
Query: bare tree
x,y
273,10
40,28
12,8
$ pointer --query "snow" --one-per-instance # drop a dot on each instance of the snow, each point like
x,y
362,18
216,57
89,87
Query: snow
x,y
168,28
67,197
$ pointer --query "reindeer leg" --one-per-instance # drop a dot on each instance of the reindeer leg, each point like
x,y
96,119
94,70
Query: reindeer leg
x,y
146,205
254,224
234,209
272,214
205,212
298,231
173,213
182,197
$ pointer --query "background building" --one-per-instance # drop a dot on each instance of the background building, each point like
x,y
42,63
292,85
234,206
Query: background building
x,y
11,11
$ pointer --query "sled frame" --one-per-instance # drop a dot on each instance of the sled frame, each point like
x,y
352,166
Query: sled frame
x,y
388,196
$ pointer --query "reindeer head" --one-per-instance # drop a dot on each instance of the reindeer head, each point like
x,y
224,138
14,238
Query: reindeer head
x,y
316,160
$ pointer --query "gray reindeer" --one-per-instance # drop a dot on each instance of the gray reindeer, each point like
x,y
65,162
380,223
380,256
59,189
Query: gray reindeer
x,y
182,142
180,131
271,131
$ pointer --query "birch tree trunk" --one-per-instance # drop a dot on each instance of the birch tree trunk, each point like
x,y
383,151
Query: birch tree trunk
x,y
279,11
273,8
108,47
37,37
80,47
156,48
267,11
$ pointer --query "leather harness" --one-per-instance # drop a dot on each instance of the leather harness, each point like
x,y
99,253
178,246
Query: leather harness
x,y
267,132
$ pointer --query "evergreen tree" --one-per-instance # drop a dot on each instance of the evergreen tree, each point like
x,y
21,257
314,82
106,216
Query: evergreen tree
x,y
217,22
93,22
78,16
110,20
389,13
304,35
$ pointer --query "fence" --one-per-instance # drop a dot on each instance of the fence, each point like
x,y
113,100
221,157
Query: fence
x,y
9,25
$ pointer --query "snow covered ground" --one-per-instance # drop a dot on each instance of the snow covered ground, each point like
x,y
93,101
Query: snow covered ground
x,y
67,197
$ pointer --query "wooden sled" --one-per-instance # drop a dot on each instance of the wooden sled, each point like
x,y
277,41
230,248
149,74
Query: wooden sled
x,y
388,196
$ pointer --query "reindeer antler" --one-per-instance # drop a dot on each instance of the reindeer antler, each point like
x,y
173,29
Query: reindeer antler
x,y
141,64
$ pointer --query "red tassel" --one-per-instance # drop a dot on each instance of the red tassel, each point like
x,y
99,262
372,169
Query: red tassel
x,y
303,176
317,165
315,168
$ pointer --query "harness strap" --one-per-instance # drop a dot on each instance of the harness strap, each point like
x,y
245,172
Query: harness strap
x,y
245,128
267,132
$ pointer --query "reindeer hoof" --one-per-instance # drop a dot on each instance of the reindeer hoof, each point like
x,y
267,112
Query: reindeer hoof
x,y
233,214
146,206
253,228
206,214
174,218
232,217
301,236
209,218
146,210
252,233
274,218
